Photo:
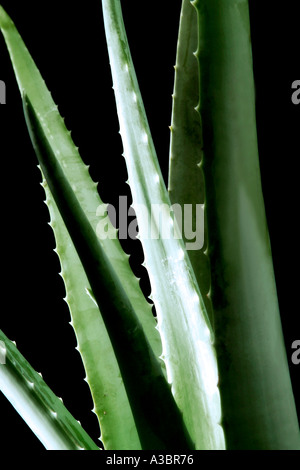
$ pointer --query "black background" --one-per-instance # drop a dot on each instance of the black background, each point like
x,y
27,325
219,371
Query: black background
x,y
66,40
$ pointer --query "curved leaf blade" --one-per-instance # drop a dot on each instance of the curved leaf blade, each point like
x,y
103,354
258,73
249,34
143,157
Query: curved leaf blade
x,y
118,431
182,318
32,83
257,398
186,183
157,418
30,80
46,415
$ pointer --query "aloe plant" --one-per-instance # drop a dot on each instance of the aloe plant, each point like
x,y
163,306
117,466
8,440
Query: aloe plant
x,y
192,375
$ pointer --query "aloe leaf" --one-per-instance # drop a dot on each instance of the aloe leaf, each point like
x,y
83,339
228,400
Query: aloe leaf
x,y
186,183
31,82
111,405
182,319
158,420
46,415
115,435
257,399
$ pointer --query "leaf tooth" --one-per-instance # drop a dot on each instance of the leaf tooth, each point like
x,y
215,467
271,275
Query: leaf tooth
x,y
30,384
200,164
90,295
55,106
134,97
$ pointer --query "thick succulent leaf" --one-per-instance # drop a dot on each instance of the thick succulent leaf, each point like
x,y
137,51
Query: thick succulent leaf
x,y
186,180
182,319
158,420
30,80
111,405
46,415
257,399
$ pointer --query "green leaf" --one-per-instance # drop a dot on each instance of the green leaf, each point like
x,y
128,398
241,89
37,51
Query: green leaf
x,y
182,319
111,405
31,82
159,423
117,425
186,180
46,415
257,399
